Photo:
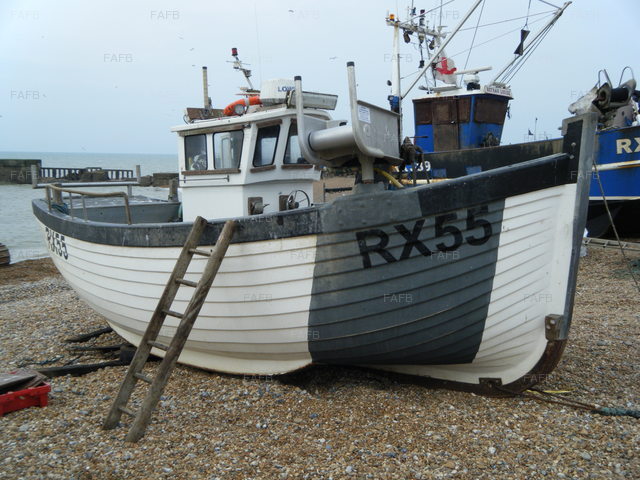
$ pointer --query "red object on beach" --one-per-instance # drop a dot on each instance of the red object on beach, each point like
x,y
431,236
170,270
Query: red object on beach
x,y
29,397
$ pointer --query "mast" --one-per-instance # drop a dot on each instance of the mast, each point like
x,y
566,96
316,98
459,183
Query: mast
x,y
238,65
442,46
395,68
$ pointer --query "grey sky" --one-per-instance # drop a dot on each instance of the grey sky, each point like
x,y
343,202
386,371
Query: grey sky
x,y
114,76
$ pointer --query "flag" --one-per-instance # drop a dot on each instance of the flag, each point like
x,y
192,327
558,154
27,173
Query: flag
x,y
530,132
445,69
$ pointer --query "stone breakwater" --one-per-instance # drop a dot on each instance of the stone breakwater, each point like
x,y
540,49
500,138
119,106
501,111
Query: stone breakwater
x,y
323,422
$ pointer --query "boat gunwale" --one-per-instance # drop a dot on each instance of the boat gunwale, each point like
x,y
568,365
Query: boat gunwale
x,y
436,198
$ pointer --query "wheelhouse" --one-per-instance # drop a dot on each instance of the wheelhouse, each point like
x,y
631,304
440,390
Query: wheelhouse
x,y
244,165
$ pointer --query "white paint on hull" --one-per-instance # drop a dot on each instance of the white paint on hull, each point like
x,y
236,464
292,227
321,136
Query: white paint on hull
x,y
254,320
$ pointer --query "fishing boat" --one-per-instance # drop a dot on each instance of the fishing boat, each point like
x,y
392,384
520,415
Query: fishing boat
x,y
462,281
614,196
458,123
469,282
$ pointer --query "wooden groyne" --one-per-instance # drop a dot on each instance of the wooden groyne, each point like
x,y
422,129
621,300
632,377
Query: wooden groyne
x,y
17,170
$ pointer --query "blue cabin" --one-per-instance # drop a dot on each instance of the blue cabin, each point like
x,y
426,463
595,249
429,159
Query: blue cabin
x,y
459,119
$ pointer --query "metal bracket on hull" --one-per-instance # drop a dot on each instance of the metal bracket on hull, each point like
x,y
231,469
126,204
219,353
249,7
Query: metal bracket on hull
x,y
554,326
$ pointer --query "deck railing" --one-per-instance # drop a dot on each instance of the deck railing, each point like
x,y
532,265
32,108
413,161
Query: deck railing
x,y
56,192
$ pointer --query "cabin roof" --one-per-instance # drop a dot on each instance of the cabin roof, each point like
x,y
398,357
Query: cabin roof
x,y
255,115
458,92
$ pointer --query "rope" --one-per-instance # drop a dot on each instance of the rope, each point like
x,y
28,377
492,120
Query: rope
x,y
548,397
613,226
546,12
498,37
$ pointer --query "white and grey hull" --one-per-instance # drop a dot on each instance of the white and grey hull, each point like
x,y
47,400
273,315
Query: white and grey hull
x,y
462,281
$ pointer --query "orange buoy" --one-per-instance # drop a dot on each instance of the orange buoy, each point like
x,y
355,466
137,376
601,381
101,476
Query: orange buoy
x,y
229,110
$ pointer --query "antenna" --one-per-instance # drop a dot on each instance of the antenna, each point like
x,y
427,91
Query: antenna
x,y
238,65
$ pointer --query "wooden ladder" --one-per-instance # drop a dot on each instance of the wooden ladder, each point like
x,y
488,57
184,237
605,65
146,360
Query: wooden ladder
x,y
187,319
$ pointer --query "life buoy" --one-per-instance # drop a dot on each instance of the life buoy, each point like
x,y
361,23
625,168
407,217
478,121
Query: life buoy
x,y
229,110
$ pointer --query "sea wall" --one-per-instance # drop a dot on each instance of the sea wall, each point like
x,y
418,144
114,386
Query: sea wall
x,y
16,170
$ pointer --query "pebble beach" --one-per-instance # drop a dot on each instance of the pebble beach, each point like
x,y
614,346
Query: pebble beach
x,y
323,422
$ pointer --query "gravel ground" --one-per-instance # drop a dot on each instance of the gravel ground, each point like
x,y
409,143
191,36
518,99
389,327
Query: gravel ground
x,y
325,422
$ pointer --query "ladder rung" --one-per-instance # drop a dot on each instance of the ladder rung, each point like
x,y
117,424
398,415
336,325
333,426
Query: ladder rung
x,y
161,346
197,251
127,411
188,283
173,314
143,377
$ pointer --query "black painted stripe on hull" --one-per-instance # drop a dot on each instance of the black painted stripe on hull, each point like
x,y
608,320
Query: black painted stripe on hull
x,y
404,305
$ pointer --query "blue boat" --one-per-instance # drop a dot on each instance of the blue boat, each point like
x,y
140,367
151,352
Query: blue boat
x,y
616,176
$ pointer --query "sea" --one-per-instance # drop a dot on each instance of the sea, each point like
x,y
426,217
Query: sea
x,y
19,230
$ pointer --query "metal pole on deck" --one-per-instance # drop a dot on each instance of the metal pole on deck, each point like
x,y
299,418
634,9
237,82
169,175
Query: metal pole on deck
x,y
205,89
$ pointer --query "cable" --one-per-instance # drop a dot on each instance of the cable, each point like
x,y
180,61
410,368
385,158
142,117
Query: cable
x,y
613,226
474,35
508,20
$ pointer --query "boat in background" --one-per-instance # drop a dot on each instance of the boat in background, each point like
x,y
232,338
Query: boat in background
x,y
457,112
458,123
616,178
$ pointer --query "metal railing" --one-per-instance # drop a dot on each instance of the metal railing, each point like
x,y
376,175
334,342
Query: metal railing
x,y
59,173
57,198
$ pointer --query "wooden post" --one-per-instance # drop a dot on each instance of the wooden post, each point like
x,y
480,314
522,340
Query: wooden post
x,y
173,190
34,176
57,194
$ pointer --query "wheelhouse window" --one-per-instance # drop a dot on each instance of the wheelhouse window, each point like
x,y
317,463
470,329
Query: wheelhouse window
x,y
227,149
195,152
292,154
266,144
